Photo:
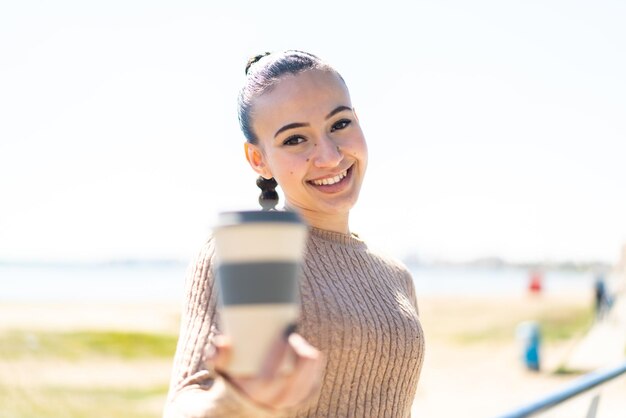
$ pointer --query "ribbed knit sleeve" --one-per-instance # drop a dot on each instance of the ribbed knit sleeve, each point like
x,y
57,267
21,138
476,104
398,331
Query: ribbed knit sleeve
x,y
196,392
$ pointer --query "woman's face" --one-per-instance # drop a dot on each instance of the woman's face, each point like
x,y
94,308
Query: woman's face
x,y
310,141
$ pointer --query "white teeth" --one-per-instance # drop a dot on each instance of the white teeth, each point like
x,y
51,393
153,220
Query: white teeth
x,y
331,180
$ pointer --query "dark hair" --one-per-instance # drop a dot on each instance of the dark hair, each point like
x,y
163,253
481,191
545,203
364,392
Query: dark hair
x,y
268,199
263,72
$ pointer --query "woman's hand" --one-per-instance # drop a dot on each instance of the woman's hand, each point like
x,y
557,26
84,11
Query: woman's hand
x,y
269,388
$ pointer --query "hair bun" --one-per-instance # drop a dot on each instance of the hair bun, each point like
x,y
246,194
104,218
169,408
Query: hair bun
x,y
255,59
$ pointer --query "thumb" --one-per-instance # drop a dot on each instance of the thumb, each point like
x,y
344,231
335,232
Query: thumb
x,y
218,354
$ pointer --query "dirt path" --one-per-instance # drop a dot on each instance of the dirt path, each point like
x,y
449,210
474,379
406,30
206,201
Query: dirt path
x,y
604,344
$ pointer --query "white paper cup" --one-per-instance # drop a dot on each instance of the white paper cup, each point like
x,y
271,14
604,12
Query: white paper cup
x,y
259,256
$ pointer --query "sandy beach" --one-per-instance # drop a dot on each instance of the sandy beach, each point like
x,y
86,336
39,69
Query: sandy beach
x,y
472,368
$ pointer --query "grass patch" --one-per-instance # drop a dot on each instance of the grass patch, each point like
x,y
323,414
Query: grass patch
x,y
59,402
564,371
555,325
563,325
120,394
78,345
496,333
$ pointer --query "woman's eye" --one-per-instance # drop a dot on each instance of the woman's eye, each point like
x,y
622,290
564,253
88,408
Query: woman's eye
x,y
343,123
293,140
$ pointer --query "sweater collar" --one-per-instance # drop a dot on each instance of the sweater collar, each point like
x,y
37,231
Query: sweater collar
x,y
349,240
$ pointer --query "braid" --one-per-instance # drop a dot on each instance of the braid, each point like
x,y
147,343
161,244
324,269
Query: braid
x,y
269,197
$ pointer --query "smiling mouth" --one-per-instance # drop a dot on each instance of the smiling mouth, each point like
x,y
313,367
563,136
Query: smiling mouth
x,y
329,181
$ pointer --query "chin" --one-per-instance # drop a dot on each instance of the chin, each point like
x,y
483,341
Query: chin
x,y
340,208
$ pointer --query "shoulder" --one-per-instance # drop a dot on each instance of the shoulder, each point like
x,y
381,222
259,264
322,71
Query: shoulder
x,y
392,264
206,252
391,261
401,276
201,264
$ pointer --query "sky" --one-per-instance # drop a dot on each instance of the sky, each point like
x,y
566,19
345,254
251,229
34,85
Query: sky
x,y
495,128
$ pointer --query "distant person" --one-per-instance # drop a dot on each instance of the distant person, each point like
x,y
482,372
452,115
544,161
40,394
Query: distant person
x,y
602,299
535,282
529,334
359,308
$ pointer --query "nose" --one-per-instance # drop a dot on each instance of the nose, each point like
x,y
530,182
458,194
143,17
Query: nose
x,y
327,153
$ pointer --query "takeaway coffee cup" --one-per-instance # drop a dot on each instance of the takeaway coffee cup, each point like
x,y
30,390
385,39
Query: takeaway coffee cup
x,y
259,255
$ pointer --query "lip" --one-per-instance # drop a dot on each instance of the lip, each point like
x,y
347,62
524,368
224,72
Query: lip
x,y
333,188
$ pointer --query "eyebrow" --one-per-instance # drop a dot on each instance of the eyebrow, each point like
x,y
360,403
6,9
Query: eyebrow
x,y
304,125
291,126
337,110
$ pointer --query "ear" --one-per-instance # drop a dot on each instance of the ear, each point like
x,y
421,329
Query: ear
x,y
256,159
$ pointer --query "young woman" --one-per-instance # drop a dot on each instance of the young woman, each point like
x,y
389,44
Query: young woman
x,y
359,347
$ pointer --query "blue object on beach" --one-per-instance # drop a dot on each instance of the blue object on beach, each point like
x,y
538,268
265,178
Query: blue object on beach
x,y
530,335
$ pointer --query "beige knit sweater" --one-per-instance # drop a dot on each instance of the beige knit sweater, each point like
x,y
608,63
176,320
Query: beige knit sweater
x,y
358,308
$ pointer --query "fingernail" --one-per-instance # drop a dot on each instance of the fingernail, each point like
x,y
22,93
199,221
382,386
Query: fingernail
x,y
290,329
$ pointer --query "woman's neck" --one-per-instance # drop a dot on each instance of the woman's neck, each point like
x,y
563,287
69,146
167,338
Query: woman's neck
x,y
330,222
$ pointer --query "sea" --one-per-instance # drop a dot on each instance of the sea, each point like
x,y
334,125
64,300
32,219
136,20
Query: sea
x,y
164,282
